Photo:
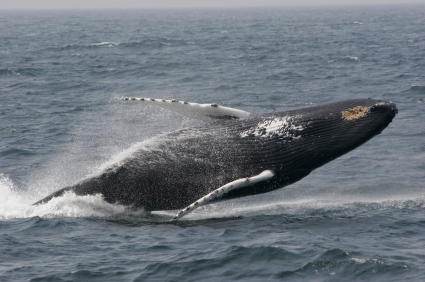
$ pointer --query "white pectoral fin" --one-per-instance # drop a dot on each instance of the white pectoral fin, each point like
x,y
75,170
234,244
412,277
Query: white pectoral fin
x,y
205,112
237,184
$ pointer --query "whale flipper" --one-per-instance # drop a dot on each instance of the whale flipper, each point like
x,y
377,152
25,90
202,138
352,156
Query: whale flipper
x,y
205,112
239,183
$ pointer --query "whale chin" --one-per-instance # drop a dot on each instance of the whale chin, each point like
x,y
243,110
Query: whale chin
x,y
233,157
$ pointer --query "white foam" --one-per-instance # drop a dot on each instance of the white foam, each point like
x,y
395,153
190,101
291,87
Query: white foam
x,y
10,200
372,261
105,44
280,126
352,58
359,261
13,72
18,205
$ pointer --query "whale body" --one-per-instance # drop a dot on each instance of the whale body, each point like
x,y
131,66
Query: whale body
x,y
234,155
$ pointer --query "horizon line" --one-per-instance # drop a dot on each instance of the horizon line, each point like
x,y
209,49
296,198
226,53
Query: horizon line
x,y
214,7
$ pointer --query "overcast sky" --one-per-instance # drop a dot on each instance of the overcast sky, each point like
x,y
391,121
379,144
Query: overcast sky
x,y
126,4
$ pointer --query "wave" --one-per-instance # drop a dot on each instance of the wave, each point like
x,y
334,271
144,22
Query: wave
x,y
346,59
352,58
21,72
270,263
105,44
16,152
337,265
287,75
417,88
9,72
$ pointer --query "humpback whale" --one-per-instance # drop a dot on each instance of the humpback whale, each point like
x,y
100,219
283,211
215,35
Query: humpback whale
x,y
234,154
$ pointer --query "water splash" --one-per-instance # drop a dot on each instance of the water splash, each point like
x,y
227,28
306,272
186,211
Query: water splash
x,y
19,205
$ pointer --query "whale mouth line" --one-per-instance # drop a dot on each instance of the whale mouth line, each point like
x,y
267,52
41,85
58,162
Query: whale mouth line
x,y
355,113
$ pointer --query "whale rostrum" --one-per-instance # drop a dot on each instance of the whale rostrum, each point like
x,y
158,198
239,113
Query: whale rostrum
x,y
234,154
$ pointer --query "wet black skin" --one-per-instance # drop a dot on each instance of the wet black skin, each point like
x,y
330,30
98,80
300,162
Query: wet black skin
x,y
180,167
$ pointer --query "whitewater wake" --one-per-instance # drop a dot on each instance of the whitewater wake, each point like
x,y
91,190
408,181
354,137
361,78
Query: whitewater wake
x,y
15,204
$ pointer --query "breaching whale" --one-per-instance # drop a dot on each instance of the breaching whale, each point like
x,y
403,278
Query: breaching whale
x,y
234,154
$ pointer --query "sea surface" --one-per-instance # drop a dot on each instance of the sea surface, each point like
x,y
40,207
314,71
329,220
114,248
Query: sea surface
x,y
62,77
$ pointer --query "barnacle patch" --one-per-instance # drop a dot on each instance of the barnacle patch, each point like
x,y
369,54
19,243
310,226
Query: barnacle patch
x,y
355,113
280,126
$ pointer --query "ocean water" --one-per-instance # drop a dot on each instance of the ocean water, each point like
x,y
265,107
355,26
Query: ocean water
x,y
62,76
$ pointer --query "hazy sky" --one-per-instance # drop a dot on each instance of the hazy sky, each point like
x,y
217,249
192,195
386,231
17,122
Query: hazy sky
x,y
114,4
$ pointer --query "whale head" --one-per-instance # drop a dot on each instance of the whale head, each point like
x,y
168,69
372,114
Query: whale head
x,y
293,143
323,133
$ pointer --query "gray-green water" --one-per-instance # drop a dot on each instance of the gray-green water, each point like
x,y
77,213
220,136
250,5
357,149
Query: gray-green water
x,y
62,74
